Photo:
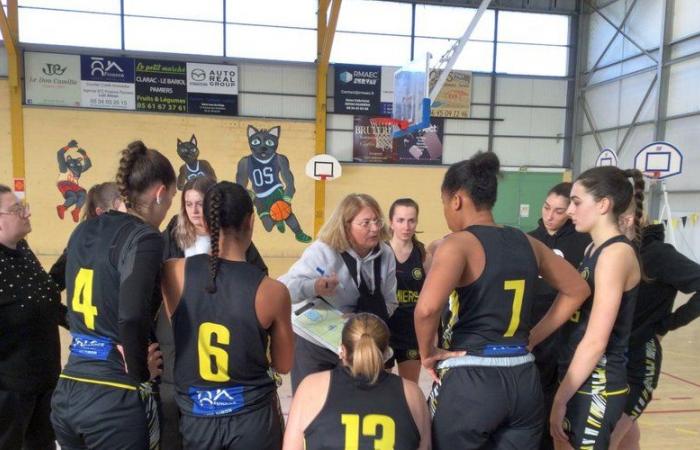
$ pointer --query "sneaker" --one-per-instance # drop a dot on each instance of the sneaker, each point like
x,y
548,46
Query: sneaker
x,y
303,237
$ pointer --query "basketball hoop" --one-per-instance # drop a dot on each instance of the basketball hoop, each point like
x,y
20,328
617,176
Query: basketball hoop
x,y
655,175
389,121
323,168
384,131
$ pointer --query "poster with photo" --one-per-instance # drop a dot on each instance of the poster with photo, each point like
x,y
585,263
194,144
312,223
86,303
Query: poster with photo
x,y
421,147
372,142
52,79
107,82
212,89
161,86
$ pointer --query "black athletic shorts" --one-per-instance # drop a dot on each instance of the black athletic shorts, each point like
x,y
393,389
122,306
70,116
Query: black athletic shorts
x,y
643,370
310,358
590,419
401,355
487,407
261,429
87,415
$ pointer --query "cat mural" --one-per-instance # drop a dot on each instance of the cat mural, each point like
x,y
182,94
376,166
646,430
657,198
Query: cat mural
x,y
73,161
193,167
272,181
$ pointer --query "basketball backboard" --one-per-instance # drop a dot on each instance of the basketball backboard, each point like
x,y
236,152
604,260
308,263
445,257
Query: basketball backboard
x,y
323,167
659,160
411,100
607,157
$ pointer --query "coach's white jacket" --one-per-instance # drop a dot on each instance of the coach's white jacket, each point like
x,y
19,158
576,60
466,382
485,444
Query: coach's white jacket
x,y
319,257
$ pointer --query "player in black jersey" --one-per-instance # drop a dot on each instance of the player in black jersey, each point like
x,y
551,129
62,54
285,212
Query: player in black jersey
x,y
113,263
667,272
593,387
488,393
357,405
410,274
227,317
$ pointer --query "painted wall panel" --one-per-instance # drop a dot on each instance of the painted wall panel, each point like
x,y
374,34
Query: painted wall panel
x,y
222,142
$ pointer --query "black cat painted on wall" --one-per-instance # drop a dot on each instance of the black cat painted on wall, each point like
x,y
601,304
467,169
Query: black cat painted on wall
x,y
193,167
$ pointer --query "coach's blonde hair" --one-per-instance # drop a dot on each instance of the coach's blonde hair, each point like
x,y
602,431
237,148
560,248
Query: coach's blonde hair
x,y
335,232
365,338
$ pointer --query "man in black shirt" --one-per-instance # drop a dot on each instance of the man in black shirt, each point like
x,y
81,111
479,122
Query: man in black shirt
x,y
30,354
557,232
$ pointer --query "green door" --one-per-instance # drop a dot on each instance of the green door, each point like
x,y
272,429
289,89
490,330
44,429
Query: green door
x,y
523,188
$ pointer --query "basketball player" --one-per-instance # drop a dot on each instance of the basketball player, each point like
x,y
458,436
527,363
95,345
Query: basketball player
x,y
667,272
556,231
225,314
488,379
410,274
113,264
593,388
358,405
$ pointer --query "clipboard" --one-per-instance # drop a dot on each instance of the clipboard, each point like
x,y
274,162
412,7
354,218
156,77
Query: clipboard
x,y
319,322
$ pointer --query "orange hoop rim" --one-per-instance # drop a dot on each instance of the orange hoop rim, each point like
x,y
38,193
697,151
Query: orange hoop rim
x,y
402,124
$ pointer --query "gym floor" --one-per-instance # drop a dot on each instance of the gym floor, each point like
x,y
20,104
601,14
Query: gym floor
x,y
672,421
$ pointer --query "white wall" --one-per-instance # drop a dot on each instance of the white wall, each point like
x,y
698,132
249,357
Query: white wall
x,y
277,90
614,104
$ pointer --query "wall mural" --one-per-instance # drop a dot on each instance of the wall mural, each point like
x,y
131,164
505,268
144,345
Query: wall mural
x,y
73,161
272,181
194,167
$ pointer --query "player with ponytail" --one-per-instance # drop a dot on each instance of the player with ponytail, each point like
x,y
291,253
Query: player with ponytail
x,y
358,404
231,325
666,272
487,391
593,387
113,263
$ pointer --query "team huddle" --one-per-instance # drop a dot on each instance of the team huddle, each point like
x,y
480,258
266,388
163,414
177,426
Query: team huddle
x,y
547,340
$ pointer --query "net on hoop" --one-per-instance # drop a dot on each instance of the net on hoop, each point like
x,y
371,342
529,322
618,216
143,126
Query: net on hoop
x,y
383,130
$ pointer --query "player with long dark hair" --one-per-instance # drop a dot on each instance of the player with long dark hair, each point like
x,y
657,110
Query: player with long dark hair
x,y
487,391
227,315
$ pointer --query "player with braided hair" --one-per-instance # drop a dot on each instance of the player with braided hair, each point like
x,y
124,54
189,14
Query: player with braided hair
x,y
225,314
667,272
593,387
113,263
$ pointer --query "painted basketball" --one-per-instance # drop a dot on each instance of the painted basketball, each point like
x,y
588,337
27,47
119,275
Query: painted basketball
x,y
280,210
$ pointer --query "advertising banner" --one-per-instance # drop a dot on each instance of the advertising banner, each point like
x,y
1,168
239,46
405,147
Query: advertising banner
x,y
212,89
161,86
52,79
373,142
107,82
357,89
454,99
